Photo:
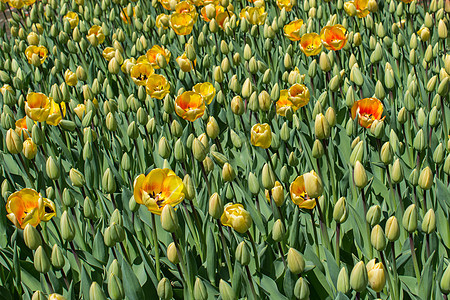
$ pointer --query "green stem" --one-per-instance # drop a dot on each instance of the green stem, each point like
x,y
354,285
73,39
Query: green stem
x,y
183,266
226,250
413,254
156,247
316,240
255,252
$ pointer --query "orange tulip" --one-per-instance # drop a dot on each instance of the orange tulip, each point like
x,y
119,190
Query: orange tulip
x,y
124,16
37,106
299,95
207,91
367,110
261,135
219,9
153,53
72,18
299,196
190,106
236,217
159,188
334,37
141,72
311,44
182,24
55,114
292,30
157,86
361,6
284,103
40,51
28,207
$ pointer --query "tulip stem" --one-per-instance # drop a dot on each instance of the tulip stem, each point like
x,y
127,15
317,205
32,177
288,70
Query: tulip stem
x,y
183,265
424,201
255,252
413,254
156,247
357,296
77,259
225,249
427,240
323,228
397,187
208,184
49,284
337,249
363,196
63,274
280,249
250,280
316,240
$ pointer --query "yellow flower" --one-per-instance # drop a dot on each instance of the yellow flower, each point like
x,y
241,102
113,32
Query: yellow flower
x,y
95,35
185,64
277,194
299,95
21,127
190,106
261,135
254,15
55,115
334,37
159,188
361,6
284,103
152,55
70,78
140,73
298,194
37,106
376,275
218,8
313,184
311,44
182,24
127,65
80,110
165,4
235,216
286,4
72,18
124,16
367,110
207,90
40,51
292,30
29,148
185,7
162,21
28,207
157,86
108,53
222,17
6,87
18,4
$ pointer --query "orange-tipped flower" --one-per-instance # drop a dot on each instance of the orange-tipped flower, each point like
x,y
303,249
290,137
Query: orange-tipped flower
x,y
153,53
361,7
299,95
222,18
159,188
218,8
299,195
286,4
207,90
292,30
40,51
184,7
157,86
311,44
182,24
185,64
141,72
284,103
261,135
28,207
334,37
367,110
124,16
37,106
55,114
190,106
21,128
235,216
72,18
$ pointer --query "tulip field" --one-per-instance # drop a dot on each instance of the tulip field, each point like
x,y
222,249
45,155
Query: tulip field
x,y
224,149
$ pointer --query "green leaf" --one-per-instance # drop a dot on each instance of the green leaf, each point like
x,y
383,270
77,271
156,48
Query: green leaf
x,y
269,286
426,280
85,283
131,286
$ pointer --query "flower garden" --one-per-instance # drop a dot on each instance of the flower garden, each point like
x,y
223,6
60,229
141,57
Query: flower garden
x,y
219,149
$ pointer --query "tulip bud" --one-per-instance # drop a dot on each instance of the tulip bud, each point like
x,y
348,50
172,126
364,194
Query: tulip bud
x,y
301,289
313,185
278,231
215,206
445,281
228,173
429,222
442,30
426,179
41,261
237,105
38,295
409,220
172,254
295,261
373,215
108,182
164,288
357,153
31,237
96,292
115,287
377,238
13,142
321,127
343,284
340,212
253,184
392,229
243,254
169,220
200,292
226,291
359,175
386,153
358,277
268,177
76,177
324,62
212,128
57,258
67,228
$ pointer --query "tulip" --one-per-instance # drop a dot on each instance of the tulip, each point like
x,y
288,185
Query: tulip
x,y
376,275
311,44
235,216
261,135
190,106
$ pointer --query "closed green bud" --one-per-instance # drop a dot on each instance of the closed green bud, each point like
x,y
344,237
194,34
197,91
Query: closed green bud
x,y
373,215
360,175
447,165
198,149
340,211
243,254
392,229
397,171
356,76
215,206
429,222
41,261
96,292
409,220
438,154
433,117
108,182
268,177
445,281
379,90
89,208
77,178
37,135
278,231
377,238
13,142
324,62
31,237
386,153
426,179
253,184
163,148
200,292
444,86
115,287
357,153
169,220
189,189
317,150
228,173
67,198
66,226
295,261
51,169
172,253
321,127
358,277
301,289
38,295
57,258
133,131
164,288
179,151
349,127
226,291
275,93
343,284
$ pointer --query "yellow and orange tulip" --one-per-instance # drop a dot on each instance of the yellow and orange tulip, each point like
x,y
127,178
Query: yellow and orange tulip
x,y
311,44
299,195
292,30
37,106
190,105
334,37
141,72
207,90
299,95
40,51
157,86
367,110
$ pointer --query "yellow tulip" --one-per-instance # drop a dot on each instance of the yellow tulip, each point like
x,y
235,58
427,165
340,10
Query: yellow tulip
x,y
299,95
153,53
261,135
376,275
292,30
235,216
182,24
157,86
311,44
72,18
298,194
190,106
55,114
205,89
37,106
40,52
70,78
140,72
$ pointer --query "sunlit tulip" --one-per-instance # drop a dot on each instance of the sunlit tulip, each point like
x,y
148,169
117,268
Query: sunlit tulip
x,y
205,89
235,216
299,196
55,114
40,52
152,55
190,106
292,30
367,110
157,86
261,135
72,18
299,95
37,106
141,72
311,44
334,37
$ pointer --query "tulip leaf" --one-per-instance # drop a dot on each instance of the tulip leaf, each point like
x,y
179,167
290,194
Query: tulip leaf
x,y
426,279
269,287
131,286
